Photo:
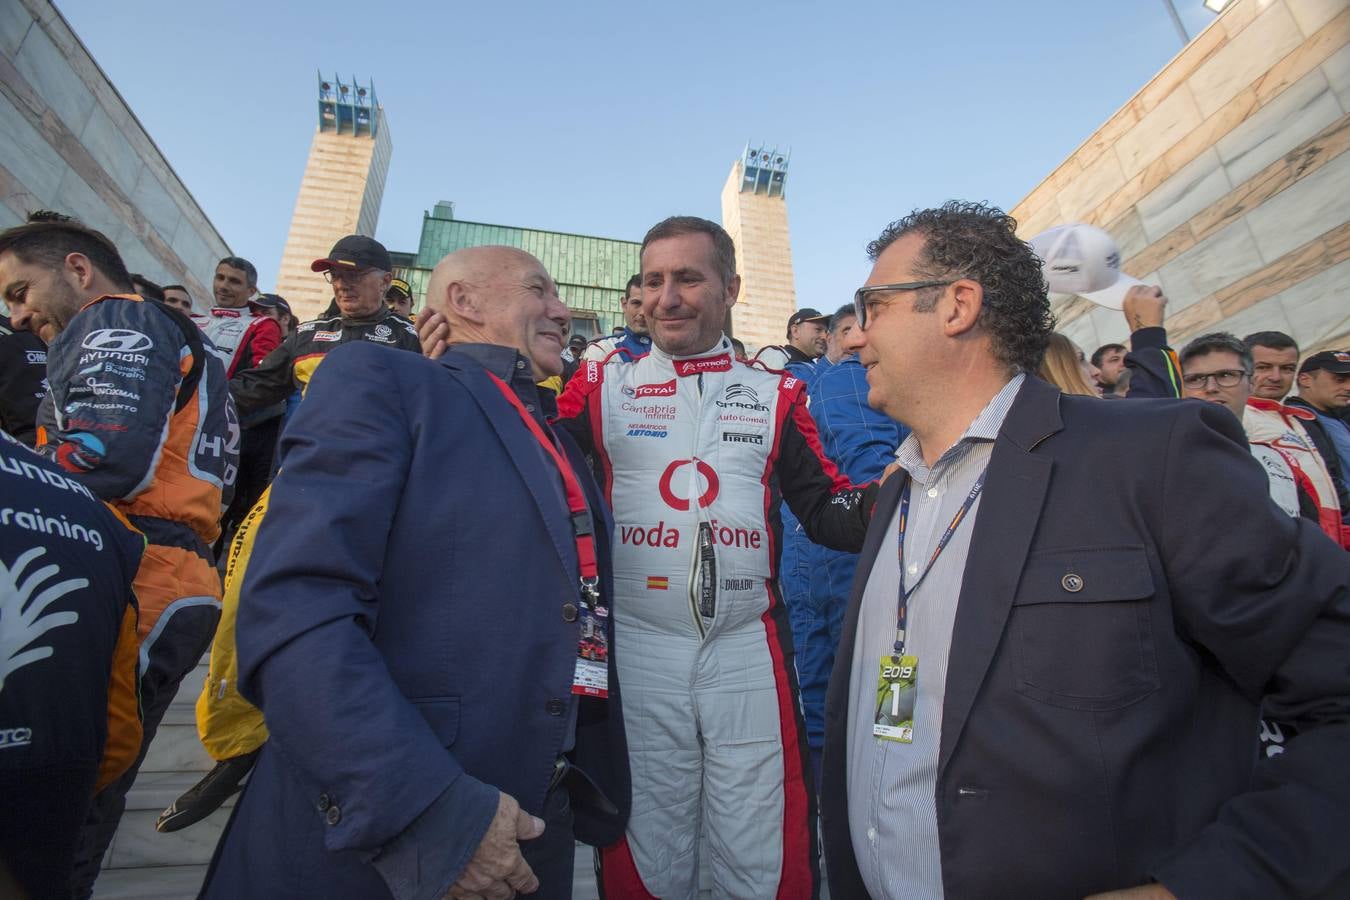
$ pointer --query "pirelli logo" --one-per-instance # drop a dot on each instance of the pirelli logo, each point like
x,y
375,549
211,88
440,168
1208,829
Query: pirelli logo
x,y
741,437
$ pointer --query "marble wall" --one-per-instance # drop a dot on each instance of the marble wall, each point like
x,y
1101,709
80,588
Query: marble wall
x,y
1224,181
70,143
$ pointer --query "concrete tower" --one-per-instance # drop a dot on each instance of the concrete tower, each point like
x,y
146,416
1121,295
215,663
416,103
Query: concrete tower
x,y
340,192
754,213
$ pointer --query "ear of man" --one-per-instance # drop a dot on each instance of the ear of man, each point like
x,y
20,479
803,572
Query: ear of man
x,y
960,307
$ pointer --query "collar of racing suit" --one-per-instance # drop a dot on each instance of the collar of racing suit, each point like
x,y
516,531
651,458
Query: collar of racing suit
x,y
1284,410
716,358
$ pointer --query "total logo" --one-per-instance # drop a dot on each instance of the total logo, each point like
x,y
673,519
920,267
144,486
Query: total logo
x,y
709,478
742,396
650,390
117,340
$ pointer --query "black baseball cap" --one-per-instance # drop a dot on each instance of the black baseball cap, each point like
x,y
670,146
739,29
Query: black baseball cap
x,y
806,315
1335,361
270,301
355,251
398,286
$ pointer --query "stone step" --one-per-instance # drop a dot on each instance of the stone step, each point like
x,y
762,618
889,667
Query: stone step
x,y
158,883
137,844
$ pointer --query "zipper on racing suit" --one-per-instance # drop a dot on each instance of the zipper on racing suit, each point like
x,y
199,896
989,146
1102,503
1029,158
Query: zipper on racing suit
x,y
703,565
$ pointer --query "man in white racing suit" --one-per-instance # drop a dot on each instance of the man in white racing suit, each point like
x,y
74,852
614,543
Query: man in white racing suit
x,y
695,451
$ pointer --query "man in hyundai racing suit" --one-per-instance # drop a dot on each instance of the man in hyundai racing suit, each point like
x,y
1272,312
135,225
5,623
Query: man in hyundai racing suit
x,y
695,451
138,412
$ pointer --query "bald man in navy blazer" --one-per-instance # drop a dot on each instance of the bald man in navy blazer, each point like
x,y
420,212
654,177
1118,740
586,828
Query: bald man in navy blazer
x,y
410,623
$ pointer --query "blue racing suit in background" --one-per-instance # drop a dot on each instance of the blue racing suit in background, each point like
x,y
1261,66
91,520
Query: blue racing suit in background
x,y
861,442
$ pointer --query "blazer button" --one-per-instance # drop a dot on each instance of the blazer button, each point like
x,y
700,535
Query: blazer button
x,y
1072,583
334,815
555,707
324,803
569,612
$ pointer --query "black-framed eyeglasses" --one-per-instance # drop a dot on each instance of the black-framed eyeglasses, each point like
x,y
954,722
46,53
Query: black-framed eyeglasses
x,y
1224,378
334,275
861,303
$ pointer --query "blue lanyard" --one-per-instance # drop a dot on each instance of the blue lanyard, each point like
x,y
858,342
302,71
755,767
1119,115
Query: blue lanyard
x,y
902,607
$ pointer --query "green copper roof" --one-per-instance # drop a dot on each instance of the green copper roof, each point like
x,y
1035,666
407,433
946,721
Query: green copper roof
x,y
591,272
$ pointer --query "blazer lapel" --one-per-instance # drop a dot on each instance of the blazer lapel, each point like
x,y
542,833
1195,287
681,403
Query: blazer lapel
x,y
520,446
1004,527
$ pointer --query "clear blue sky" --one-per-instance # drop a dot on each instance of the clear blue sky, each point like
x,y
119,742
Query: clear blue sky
x,y
602,117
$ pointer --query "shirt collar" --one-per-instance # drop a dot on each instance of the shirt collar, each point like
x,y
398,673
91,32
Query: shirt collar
x,y
510,366
984,428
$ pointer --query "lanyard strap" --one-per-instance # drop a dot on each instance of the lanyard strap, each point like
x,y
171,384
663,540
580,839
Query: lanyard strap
x,y
582,528
902,606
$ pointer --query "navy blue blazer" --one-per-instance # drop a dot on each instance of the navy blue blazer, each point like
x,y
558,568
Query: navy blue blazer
x,y
1103,737
407,630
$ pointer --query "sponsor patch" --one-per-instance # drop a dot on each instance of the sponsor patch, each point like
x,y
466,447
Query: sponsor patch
x,y
327,335
643,429
35,357
117,340
742,396
383,331
720,363
660,412
738,584
658,583
740,437
666,389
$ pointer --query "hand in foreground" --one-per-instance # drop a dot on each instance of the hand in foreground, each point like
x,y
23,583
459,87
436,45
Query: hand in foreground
x,y
497,870
1143,307
1143,892
433,331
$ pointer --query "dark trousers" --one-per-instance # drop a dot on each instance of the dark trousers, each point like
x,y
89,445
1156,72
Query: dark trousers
x,y
552,855
173,655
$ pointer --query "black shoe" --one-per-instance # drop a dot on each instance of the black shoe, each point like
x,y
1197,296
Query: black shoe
x,y
206,796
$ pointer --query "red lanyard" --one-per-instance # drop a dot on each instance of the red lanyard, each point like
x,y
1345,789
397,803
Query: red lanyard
x,y
582,529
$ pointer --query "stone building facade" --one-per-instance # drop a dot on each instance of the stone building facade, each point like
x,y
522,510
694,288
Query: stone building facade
x,y
1225,181
70,143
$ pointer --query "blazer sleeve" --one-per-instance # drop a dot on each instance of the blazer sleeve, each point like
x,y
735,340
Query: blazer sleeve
x,y
1268,596
304,636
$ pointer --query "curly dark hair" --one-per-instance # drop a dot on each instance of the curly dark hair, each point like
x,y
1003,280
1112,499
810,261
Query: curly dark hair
x,y
978,241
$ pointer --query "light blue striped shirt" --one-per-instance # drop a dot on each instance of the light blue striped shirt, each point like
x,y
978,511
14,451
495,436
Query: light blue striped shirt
x,y
892,811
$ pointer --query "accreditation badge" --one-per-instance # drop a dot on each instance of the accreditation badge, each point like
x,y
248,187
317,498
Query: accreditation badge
x,y
591,677
897,689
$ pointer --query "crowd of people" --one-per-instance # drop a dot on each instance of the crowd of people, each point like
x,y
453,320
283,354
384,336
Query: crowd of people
x,y
925,601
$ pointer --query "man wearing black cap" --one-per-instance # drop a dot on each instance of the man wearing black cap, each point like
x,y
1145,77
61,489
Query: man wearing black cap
x,y
1324,391
360,272
231,729
399,298
807,333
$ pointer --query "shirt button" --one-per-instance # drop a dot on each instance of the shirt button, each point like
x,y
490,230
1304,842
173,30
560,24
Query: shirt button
x,y
932,492
872,835
333,816
555,707
569,612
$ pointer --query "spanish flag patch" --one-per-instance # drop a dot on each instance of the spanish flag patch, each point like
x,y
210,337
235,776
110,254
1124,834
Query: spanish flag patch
x,y
658,583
